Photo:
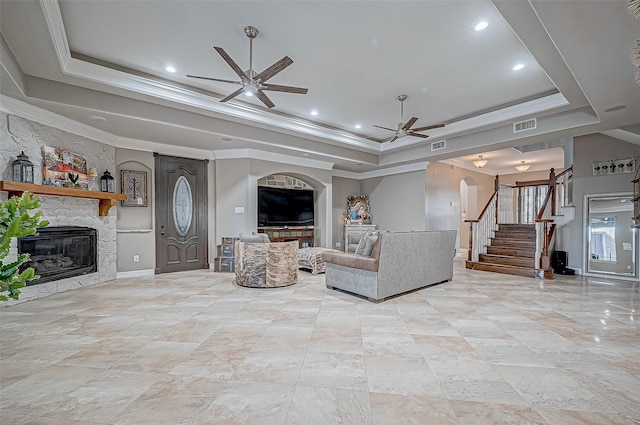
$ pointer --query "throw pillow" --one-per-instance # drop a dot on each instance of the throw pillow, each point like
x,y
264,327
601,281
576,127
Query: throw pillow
x,y
258,238
366,243
370,240
361,246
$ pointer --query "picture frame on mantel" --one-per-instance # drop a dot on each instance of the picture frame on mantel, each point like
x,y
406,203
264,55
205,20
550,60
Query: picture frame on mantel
x,y
134,185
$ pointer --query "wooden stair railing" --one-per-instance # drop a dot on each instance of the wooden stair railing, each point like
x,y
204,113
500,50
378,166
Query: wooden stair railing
x,y
483,230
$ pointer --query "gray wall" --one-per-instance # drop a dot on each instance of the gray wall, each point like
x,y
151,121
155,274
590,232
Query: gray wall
x,y
443,198
397,202
236,185
586,150
135,235
342,189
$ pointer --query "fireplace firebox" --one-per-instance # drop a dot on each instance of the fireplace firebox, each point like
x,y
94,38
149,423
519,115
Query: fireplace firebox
x,y
60,252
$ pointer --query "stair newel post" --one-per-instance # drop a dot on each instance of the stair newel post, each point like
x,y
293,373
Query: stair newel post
x,y
552,189
470,241
496,189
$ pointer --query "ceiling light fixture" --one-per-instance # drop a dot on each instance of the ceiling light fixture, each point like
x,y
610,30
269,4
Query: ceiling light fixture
x,y
170,69
518,67
522,167
250,90
314,112
358,126
481,25
480,162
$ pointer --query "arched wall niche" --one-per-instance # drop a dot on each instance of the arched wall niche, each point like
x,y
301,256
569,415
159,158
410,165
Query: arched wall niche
x,y
321,196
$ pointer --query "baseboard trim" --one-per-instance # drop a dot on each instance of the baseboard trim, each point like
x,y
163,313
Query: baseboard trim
x,y
135,273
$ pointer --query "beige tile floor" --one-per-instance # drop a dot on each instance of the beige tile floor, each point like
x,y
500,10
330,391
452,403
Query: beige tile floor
x,y
193,348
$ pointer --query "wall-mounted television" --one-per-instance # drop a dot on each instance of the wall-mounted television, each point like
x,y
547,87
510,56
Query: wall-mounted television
x,y
278,207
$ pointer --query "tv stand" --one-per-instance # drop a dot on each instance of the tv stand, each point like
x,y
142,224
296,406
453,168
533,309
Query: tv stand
x,y
304,235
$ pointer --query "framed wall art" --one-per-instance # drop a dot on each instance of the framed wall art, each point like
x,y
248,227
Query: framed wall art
x,y
358,209
134,185
63,168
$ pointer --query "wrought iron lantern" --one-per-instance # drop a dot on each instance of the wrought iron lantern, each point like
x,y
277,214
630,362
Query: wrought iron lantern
x,y
23,169
107,183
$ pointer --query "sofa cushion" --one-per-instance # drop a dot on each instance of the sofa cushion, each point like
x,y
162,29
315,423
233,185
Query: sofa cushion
x,y
351,260
366,243
254,238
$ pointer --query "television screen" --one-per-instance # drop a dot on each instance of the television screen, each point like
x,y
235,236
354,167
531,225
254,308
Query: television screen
x,y
278,207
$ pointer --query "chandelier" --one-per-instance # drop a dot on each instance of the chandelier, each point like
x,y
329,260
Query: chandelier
x,y
522,167
480,162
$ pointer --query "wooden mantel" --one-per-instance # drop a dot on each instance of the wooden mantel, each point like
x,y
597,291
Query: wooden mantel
x,y
107,200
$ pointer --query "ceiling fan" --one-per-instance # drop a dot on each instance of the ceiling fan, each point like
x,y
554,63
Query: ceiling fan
x,y
404,129
253,83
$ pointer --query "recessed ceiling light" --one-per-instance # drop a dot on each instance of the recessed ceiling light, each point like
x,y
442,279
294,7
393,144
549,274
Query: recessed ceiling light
x,y
518,67
314,112
98,118
481,25
170,69
358,126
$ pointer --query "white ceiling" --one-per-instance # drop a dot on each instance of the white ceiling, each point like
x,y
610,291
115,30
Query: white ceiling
x,y
107,59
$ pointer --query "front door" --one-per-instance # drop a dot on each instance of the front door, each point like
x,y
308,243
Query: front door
x,y
181,214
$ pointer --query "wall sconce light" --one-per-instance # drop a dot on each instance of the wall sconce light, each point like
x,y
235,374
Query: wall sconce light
x,y
522,167
480,162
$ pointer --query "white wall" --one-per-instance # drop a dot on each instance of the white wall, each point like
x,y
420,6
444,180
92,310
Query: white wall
x,y
18,134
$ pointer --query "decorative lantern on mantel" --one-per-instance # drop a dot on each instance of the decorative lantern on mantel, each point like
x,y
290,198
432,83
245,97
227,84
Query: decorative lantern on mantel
x,y
23,169
107,183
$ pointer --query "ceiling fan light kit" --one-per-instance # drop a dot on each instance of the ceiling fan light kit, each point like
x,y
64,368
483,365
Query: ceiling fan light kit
x,y
404,129
251,82
480,162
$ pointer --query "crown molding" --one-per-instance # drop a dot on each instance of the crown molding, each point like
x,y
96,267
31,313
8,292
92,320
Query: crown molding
x,y
270,156
42,116
401,169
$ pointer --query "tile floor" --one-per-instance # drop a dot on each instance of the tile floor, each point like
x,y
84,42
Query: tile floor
x,y
193,348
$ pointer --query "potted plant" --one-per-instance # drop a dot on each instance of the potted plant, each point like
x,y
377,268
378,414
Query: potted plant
x,y
16,222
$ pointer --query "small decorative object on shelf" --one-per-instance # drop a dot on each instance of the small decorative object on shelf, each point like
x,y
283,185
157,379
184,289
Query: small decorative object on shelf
x,y
73,180
107,183
93,179
22,169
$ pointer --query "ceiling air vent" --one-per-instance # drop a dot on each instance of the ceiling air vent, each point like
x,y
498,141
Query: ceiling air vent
x,y
524,125
436,146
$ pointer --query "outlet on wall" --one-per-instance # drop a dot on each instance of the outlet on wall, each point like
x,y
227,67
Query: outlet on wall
x,y
337,244
136,258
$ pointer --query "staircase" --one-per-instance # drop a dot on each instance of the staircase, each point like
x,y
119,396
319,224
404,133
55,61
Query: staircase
x,y
511,251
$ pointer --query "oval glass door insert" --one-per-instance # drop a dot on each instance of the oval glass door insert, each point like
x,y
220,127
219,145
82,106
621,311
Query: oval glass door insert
x,y
182,205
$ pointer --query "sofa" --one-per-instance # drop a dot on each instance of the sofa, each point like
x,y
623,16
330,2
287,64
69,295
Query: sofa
x,y
399,262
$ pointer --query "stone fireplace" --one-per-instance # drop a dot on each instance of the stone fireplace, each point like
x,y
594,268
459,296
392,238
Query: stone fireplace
x,y
60,252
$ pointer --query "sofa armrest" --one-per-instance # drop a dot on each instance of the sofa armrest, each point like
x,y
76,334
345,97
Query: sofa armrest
x,y
351,260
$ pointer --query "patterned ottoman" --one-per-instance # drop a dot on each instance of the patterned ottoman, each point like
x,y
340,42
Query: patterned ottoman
x,y
311,258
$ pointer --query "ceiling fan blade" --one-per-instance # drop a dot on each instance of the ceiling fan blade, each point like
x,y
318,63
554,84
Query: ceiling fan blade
x,y
215,79
394,138
273,69
232,95
384,128
411,133
265,99
287,89
429,127
231,63
409,123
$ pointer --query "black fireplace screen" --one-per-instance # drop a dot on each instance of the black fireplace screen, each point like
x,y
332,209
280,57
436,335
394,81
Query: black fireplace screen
x,y
60,252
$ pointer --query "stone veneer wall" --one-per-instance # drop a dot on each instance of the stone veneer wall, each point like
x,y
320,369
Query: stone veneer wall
x,y
18,134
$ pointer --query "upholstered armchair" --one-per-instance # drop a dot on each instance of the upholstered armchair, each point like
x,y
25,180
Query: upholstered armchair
x,y
266,264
